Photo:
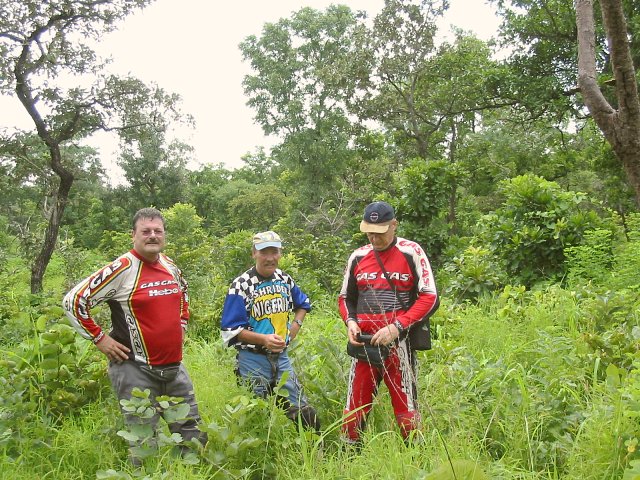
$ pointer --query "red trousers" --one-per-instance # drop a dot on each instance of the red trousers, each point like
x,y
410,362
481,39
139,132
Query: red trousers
x,y
399,375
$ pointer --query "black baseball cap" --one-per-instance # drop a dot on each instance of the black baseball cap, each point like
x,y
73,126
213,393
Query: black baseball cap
x,y
377,217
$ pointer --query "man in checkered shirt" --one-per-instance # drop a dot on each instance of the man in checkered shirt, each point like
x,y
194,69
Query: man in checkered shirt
x,y
255,320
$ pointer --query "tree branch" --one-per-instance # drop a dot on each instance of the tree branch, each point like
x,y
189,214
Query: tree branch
x,y
623,70
587,73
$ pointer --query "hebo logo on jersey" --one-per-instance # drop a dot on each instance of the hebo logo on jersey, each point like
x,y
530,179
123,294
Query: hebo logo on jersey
x,y
160,283
166,291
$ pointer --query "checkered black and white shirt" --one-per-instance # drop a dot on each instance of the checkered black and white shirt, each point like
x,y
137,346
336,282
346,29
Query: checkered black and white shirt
x,y
260,304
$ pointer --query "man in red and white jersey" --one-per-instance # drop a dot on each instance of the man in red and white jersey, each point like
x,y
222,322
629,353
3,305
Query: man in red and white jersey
x,y
149,304
387,287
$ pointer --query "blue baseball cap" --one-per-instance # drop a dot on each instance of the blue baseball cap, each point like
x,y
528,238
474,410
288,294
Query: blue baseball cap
x,y
377,217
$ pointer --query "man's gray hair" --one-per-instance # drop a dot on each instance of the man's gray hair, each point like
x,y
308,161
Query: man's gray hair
x,y
149,213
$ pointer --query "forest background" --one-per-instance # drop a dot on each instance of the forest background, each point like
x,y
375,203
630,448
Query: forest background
x,y
514,163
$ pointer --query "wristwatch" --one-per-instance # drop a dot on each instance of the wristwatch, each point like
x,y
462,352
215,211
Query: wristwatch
x,y
399,326
299,322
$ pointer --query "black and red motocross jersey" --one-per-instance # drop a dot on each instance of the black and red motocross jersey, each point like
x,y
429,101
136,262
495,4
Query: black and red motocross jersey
x,y
149,307
367,296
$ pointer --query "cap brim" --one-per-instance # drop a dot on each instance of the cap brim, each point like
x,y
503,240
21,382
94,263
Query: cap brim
x,y
367,227
260,246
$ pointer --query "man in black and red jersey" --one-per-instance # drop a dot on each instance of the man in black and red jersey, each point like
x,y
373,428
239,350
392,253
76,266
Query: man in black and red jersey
x,y
149,304
372,302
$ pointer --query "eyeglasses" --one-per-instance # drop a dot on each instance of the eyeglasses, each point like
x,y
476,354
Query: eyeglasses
x,y
147,232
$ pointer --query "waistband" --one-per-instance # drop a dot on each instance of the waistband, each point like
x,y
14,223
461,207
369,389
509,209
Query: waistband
x,y
259,349
158,367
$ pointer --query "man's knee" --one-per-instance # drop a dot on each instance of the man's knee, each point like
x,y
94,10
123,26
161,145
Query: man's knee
x,y
260,386
192,432
353,422
308,417
408,422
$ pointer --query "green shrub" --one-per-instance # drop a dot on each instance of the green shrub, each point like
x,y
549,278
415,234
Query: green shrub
x,y
626,264
148,440
424,190
609,327
62,370
113,244
320,261
15,303
591,261
534,225
232,255
473,274
321,362
46,379
187,242
245,443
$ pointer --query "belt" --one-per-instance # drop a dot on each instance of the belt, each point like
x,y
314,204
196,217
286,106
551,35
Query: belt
x,y
259,349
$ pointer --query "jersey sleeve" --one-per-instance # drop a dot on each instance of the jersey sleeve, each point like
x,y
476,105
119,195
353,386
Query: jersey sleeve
x,y
93,290
348,297
184,289
184,306
300,299
427,295
234,315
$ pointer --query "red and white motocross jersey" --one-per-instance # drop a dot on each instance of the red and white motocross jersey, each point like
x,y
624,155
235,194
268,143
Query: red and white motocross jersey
x,y
149,307
367,296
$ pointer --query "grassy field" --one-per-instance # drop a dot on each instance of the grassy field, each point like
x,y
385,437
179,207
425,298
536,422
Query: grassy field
x,y
513,389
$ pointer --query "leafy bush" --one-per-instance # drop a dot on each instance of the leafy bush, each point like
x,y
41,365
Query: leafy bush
x,y
187,242
473,274
591,261
63,370
319,357
535,224
6,242
424,191
206,298
148,440
113,244
267,199
318,259
48,378
629,387
70,264
233,255
245,442
626,264
15,303
609,326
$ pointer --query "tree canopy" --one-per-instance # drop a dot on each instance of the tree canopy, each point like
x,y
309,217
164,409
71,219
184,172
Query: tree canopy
x,y
363,109
40,44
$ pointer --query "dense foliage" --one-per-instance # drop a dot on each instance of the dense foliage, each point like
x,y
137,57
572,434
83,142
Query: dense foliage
x,y
521,383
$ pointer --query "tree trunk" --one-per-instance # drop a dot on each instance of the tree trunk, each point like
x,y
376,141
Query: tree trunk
x,y
620,127
22,70
41,262
453,195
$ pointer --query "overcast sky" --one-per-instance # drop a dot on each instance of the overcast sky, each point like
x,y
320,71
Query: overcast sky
x,y
191,48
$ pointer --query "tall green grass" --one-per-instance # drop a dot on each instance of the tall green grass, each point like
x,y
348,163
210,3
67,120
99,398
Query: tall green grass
x,y
513,389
